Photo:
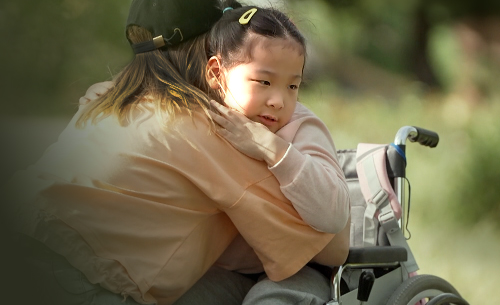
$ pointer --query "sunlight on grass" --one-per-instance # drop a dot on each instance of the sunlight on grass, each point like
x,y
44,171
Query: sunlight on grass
x,y
467,257
462,250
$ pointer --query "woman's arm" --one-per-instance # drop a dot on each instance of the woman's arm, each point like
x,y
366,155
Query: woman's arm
x,y
240,257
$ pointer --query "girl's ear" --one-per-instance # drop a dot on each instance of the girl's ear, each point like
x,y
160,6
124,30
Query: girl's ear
x,y
214,72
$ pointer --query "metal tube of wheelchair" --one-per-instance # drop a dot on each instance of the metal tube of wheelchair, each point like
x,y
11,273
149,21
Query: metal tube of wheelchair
x,y
335,287
402,135
414,134
400,192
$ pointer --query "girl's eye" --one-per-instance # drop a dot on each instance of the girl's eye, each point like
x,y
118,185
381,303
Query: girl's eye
x,y
294,87
263,82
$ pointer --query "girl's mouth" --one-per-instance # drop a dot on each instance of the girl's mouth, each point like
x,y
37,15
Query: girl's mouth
x,y
268,119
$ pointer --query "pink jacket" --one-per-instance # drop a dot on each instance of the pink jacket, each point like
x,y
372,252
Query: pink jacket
x,y
310,175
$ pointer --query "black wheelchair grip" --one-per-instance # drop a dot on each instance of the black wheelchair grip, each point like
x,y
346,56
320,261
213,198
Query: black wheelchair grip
x,y
366,281
426,137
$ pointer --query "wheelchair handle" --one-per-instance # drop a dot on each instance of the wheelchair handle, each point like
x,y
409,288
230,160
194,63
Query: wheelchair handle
x,y
416,134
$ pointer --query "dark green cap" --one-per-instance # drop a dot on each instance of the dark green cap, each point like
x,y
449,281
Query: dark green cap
x,y
172,21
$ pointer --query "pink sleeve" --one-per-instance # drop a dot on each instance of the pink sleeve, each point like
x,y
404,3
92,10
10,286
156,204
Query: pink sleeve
x,y
310,175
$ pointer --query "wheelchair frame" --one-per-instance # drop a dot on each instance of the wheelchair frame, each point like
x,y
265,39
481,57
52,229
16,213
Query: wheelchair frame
x,y
378,271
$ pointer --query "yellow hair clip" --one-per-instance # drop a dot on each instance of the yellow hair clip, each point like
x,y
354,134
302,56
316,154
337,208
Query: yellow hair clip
x,y
245,18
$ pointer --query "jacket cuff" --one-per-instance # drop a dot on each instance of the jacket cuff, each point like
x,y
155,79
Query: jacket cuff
x,y
289,167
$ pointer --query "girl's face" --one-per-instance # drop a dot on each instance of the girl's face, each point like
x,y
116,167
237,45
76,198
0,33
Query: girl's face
x,y
265,88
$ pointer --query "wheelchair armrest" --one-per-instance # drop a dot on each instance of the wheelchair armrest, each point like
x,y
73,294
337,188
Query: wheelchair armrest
x,y
376,255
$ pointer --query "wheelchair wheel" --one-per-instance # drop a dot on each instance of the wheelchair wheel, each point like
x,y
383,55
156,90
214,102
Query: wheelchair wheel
x,y
422,287
447,298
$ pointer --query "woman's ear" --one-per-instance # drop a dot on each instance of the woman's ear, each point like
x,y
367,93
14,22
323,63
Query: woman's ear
x,y
213,72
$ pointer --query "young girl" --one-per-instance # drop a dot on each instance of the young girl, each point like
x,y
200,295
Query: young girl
x,y
256,64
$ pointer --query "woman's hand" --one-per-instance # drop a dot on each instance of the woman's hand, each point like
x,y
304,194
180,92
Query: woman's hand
x,y
250,138
95,91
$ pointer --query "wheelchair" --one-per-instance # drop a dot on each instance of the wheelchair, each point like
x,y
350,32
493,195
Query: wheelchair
x,y
382,271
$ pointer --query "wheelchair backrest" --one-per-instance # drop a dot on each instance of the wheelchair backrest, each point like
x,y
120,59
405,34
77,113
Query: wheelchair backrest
x,y
366,166
375,209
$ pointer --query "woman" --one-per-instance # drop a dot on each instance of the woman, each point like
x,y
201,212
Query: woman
x,y
138,194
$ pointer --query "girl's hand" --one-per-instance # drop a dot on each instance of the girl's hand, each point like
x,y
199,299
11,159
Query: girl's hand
x,y
95,91
250,138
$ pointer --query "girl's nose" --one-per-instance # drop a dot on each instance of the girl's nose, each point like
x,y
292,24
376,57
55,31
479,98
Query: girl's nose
x,y
276,101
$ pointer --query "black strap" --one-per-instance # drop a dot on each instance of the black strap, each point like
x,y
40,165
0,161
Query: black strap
x,y
142,47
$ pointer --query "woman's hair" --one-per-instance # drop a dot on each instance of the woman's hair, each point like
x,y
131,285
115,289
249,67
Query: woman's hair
x,y
174,78
232,41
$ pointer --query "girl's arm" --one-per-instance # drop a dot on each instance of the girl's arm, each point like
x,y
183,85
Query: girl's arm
x,y
335,253
310,174
308,170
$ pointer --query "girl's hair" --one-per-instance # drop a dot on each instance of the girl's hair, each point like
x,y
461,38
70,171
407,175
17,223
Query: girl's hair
x,y
175,79
232,42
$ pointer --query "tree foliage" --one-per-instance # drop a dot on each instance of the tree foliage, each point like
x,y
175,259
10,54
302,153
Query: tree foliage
x,y
53,50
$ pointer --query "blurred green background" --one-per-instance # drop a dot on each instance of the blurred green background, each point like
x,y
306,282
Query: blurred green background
x,y
372,67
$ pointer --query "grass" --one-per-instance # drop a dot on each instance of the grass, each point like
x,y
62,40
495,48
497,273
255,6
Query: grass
x,y
454,208
467,257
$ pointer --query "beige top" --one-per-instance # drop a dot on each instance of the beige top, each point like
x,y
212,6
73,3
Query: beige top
x,y
145,212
